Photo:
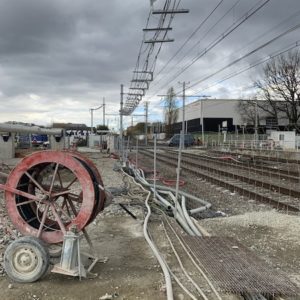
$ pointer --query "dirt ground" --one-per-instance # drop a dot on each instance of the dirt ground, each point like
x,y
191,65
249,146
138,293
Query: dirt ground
x,y
132,272
128,273
273,236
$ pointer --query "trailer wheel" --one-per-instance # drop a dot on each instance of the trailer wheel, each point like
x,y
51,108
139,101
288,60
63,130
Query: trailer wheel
x,y
26,260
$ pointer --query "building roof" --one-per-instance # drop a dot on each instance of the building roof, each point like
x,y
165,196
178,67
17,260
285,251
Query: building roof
x,y
70,126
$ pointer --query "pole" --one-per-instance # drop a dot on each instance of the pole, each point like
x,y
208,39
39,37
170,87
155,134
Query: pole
x,y
104,111
256,123
202,123
154,167
178,169
137,152
243,136
146,123
236,136
183,110
92,121
121,122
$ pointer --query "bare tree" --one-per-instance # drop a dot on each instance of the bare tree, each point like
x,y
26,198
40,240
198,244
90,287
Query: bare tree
x,y
170,110
246,109
280,88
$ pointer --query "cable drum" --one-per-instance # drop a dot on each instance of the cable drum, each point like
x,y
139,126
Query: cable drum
x,y
52,191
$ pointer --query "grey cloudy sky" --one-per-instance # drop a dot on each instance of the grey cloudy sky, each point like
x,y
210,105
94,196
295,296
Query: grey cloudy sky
x,y
59,58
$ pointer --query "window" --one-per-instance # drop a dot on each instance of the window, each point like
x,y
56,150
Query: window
x,y
281,137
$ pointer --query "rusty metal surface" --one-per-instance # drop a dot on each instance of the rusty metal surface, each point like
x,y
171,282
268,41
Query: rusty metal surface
x,y
235,269
37,162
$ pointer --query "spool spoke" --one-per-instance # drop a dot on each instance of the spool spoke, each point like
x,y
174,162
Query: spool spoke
x,y
32,219
43,220
53,178
26,202
67,207
63,212
35,182
18,192
67,192
60,180
72,207
73,181
64,203
58,219
74,198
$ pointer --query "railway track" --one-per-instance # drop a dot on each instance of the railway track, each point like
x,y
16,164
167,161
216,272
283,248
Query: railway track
x,y
250,165
259,157
278,189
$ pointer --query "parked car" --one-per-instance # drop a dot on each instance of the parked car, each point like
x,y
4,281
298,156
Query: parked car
x,y
175,140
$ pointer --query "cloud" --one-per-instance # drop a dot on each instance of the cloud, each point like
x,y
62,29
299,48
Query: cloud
x,y
59,58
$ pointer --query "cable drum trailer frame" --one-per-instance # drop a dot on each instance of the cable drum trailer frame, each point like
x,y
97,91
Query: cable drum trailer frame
x,y
51,197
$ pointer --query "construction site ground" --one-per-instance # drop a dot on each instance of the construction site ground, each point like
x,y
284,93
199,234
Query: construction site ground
x,y
132,271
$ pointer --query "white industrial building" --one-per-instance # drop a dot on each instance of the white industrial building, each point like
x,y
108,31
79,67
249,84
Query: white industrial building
x,y
217,112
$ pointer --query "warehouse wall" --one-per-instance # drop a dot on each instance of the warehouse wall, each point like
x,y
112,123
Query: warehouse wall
x,y
212,108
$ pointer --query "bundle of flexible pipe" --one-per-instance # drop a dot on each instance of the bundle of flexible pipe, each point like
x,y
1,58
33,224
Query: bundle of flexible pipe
x,y
181,215
161,261
180,211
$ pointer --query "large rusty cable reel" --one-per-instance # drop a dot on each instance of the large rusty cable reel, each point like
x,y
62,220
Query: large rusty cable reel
x,y
49,191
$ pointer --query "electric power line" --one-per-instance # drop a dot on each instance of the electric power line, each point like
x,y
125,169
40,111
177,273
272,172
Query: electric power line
x,y
220,38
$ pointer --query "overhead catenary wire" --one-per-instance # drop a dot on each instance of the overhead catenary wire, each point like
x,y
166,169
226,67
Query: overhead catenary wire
x,y
272,29
247,54
218,40
196,44
140,80
145,67
190,37
253,65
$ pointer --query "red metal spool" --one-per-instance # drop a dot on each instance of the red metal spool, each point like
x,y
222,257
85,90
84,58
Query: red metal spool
x,y
49,191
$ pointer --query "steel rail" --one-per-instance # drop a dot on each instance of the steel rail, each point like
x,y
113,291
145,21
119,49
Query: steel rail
x,y
248,178
239,184
263,157
262,170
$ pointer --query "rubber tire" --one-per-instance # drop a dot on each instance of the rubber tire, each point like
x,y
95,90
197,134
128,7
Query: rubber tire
x,y
55,250
41,252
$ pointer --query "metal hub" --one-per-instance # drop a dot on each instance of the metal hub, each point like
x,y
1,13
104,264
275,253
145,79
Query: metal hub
x,y
25,260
